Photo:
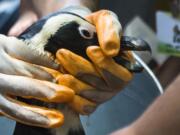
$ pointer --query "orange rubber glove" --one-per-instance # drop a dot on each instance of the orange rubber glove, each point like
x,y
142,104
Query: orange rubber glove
x,y
94,81
99,79
22,79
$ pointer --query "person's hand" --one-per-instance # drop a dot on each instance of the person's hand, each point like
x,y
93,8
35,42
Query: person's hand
x,y
99,79
91,87
96,82
20,78
30,12
28,15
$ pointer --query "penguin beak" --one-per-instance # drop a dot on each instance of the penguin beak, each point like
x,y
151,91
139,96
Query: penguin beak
x,y
134,44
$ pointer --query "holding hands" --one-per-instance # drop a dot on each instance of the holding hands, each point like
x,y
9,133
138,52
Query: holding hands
x,y
82,82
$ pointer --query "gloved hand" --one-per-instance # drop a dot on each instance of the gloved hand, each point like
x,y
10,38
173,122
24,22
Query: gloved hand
x,y
98,82
20,78
100,78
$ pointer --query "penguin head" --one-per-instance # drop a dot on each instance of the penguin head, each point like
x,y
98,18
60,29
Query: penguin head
x,y
61,30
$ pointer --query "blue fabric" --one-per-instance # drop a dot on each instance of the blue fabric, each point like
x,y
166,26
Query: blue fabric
x,y
6,126
8,14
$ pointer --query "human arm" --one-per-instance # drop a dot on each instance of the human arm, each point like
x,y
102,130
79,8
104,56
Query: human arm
x,y
32,10
161,118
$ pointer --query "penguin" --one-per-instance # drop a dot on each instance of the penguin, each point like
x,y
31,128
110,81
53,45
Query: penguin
x,y
68,30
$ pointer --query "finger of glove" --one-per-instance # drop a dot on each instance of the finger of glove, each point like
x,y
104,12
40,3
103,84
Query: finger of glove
x,y
84,90
114,74
18,49
128,56
73,83
81,68
109,31
14,66
30,115
32,88
54,73
127,60
97,96
69,81
82,105
125,57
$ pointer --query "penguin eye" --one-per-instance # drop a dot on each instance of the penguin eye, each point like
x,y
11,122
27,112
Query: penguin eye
x,y
85,33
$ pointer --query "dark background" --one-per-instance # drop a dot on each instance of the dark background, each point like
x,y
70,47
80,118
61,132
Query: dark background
x,y
127,9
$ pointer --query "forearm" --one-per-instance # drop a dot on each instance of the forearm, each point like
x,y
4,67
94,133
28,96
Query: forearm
x,y
163,116
91,4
